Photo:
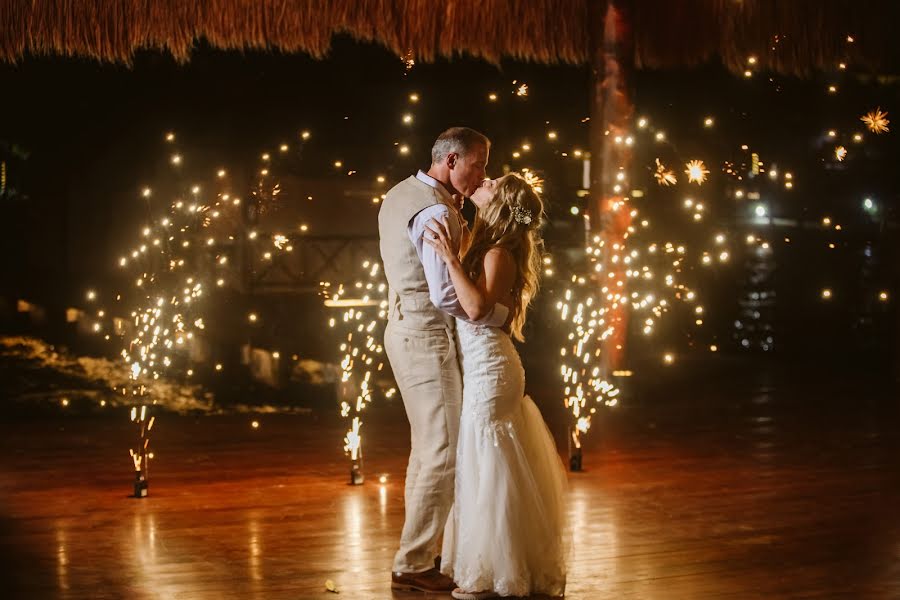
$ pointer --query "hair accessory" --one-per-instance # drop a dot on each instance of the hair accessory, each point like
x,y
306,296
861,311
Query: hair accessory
x,y
521,215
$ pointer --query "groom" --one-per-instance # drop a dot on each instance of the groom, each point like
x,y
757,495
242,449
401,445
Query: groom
x,y
420,342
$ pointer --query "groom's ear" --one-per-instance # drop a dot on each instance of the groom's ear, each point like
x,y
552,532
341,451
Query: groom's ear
x,y
451,159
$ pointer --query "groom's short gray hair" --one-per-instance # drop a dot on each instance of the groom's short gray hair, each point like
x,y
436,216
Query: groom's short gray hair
x,y
459,140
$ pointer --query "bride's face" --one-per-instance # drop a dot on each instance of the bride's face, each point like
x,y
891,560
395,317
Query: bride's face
x,y
485,193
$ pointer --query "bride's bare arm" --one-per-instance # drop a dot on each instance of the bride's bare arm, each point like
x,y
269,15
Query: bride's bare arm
x,y
476,298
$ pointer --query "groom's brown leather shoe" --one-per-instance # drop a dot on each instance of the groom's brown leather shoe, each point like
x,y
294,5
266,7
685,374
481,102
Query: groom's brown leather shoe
x,y
431,580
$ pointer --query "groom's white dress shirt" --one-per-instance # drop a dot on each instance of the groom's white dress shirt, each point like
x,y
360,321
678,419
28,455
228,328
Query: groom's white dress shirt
x,y
440,286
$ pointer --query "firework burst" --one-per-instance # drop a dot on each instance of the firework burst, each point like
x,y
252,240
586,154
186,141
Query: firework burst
x,y
696,171
664,175
876,120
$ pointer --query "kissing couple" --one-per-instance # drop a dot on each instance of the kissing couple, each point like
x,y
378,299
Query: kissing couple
x,y
483,471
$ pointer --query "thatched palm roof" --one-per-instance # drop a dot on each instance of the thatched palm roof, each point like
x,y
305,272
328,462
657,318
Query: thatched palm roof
x,y
787,36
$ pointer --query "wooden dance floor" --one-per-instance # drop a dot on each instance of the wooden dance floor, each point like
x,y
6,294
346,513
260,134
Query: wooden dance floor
x,y
756,488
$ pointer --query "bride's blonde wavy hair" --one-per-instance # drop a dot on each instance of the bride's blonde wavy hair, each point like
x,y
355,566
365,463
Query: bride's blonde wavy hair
x,y
496,226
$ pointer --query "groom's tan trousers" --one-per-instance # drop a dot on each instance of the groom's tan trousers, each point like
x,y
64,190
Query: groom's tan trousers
x,y
428,376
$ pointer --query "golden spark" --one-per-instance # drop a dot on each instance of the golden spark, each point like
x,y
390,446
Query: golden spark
x,y
532,179
409,60
840,153
876,120
664,175
696,171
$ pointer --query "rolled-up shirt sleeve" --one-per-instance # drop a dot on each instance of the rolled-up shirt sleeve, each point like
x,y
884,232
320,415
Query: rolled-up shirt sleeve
x,y
440,286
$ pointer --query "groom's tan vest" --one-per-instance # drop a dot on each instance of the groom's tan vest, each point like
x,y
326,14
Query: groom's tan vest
x,y
409,304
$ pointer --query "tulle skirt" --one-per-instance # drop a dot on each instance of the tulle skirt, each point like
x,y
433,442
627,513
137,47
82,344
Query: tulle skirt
x,y
507,531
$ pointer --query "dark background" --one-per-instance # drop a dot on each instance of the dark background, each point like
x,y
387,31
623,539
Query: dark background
x,y
93,137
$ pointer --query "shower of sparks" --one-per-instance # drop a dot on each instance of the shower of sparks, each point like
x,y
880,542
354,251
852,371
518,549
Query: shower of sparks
x,y
696,171
876,120
360,329
664,175
521,89
174,262
840,153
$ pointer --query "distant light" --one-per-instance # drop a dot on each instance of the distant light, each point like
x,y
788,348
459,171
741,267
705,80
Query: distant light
x,y
868,204
751,60
338,164
760,210
660,136
146,193
252,317
304,135
218,366
492,97
407,118
382,479
668,358
574,210
883,296
176,159
713,348
404,149
380,179
221,173
170,137
826,294
413,97
551,135
283,147
255,424
642,122
832,89
708,122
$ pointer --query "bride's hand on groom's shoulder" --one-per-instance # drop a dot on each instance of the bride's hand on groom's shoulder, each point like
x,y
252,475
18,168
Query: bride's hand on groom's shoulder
x,y
438,237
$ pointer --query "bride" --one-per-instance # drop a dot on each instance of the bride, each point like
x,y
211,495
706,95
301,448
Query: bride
x,y
506,535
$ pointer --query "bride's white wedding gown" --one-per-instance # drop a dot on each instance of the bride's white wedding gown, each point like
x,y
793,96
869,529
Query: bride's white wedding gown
x,y
507,530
